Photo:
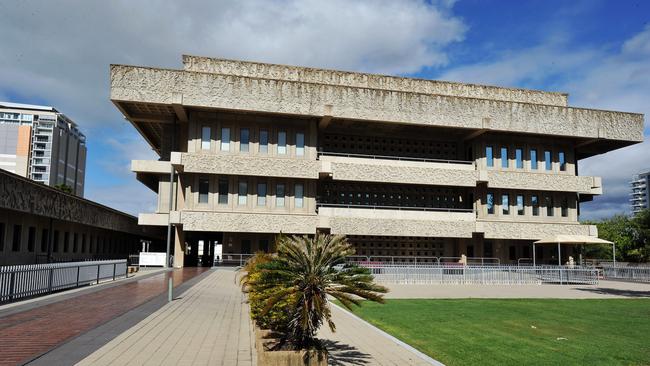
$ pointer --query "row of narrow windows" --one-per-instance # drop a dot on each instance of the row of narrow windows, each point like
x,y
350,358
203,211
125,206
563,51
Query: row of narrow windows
x,y
519,205
547,158
245,139
262,193
74,244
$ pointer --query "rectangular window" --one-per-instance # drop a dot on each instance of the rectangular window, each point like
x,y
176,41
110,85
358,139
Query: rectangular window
x,y
282,143
489,156
504,157
519,157
44,239
223,191
534,202
225,139
206,136
55,248
18,233
66,242
243,193
520,204
548,161
2,236
565,207
243,139
300,144
31,239
505,204
548,202
562,161
204,189
298,194
264,142
279,195
83,243
261,194
75,247
490,203
533,159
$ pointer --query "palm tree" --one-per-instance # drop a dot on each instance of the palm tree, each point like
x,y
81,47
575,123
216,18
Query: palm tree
x,y
307,270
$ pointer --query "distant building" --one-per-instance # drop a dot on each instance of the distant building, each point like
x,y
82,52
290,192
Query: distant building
x,y
40,143
640,192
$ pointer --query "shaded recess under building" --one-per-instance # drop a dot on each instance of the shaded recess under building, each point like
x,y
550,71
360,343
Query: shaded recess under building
x,y
40,224
403,167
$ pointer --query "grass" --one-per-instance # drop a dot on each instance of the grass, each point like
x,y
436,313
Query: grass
x,y
520,331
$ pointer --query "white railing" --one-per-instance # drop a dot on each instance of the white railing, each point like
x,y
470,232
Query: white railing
x,y
17,282
626,273
457,274
232,259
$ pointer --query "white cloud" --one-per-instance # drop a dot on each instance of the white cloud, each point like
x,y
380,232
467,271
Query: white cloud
x,y
59,51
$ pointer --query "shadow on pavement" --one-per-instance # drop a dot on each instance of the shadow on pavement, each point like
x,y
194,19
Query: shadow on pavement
x,y
617,292
341,354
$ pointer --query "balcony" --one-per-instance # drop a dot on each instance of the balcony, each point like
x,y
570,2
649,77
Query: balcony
x,y
542,181
396,221
396,169
250,165
531,230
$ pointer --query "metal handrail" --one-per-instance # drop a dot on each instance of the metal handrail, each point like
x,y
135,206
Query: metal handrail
x,y
22,281
398,208
387,157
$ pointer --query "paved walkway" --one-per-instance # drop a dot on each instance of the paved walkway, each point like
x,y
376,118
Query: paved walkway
x,y
604,290
208,325
32,330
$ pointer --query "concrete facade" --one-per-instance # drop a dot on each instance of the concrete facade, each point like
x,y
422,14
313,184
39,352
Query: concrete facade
x,y
42,144
39,224
403,167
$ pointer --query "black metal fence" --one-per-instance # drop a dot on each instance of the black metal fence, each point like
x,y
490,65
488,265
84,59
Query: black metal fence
x,y
19,282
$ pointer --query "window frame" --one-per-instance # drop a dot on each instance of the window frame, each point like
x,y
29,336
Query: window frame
x,y
206,143
282,147
244,147
242,199
261,199
302,195
489,156
280,199
225,143
203,198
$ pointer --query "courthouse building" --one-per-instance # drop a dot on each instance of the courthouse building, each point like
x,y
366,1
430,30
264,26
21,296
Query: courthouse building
x,y
404,167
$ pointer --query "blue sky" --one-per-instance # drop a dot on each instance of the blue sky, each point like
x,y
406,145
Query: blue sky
x,y
598,51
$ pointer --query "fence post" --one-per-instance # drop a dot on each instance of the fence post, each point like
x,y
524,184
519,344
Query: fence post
x,y
12,284
50,281
78,270
98,266
114,270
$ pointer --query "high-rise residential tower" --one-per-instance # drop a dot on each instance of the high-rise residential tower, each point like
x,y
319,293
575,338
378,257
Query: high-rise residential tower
x,y
40,143
640,192
405,168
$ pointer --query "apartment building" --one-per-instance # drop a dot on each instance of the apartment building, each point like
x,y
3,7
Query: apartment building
x,y
404,167
640,192
40,143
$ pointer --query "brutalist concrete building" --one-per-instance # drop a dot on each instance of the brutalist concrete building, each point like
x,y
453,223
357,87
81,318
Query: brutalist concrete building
x,y
404,167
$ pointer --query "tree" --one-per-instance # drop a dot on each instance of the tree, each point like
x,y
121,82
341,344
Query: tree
x,y
305,272
64,188
641,224
630,234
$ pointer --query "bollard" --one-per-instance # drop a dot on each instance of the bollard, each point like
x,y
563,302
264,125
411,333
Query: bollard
x,y
170,286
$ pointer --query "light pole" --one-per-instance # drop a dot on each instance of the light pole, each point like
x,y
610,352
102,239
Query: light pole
x,y
170,281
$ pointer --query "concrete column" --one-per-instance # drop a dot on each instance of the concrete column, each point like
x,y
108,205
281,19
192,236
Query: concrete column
x,y
179,246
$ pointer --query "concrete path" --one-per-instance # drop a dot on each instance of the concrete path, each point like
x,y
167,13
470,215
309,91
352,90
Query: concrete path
x,y
208,325
604,290
356,342
32,329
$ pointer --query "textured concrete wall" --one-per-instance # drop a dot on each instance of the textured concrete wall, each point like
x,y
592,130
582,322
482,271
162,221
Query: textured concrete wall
x,y
530,230
388,171
372,81
148,85
544,182
20,194
250,165
248,222
399,227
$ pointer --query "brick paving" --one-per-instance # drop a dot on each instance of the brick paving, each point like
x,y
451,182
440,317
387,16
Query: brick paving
x,y
209,324
28,334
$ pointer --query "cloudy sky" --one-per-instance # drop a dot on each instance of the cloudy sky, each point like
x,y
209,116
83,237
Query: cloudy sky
x,y
58,53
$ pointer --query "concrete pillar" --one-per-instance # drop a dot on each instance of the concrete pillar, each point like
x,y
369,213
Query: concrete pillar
x,y
179,246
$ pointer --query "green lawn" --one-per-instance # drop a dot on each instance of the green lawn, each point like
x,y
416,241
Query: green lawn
x,y
520,332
